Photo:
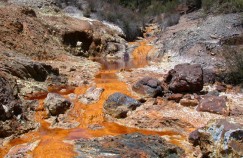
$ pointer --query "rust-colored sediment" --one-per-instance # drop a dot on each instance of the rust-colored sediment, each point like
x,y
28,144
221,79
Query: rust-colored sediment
x,y
140,53
52,140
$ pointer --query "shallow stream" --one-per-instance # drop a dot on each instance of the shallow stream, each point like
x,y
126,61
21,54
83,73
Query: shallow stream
x,y
53,141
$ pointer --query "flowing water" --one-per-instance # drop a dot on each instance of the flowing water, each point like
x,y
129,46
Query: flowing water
x,y
52,140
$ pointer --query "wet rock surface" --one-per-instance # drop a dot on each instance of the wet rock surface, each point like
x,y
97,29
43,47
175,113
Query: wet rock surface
x,y
148,86
213,104
92,95
22,150
219,138
118,105
185,78
56,104
129,145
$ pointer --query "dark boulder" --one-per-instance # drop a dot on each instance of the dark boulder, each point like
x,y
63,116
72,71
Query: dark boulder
x,y
56,104
128,145
219,138
213,104
148,86
118,105
176,97
185,78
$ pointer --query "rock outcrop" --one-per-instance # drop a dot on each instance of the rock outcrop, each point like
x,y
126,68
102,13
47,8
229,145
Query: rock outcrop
x,y
26,68
219,138
129,145
148,86
118,105
185,78
10,105
13,110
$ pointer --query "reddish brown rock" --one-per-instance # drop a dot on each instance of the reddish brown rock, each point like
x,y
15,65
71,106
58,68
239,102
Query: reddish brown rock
x,y
148,86
189,102
185,78
176,97
213,104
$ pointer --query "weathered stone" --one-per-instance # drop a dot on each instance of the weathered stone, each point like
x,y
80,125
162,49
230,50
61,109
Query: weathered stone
x,y
176,97
117,105
148,86
189,102
185,78
27,68
92,95
10,105
12,110
56,104
128,145
219,138
213,104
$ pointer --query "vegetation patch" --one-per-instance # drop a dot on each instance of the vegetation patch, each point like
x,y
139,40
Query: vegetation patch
x,y
222,6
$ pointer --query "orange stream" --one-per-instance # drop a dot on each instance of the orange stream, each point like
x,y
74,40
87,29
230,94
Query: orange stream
x,y
52,145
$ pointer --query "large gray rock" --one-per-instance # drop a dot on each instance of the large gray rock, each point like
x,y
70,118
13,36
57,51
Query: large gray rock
x,y
219,138
148,86
56,104
185,78
118,105
128,145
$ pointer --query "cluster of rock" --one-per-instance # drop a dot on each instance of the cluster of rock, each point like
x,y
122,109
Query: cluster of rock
x,y
184,85
22,75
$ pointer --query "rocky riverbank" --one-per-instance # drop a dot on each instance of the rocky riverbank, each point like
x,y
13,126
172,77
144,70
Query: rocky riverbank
x,y
168,94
